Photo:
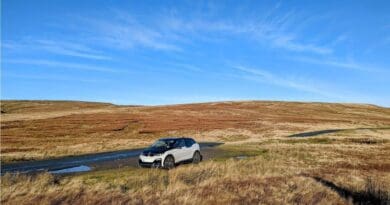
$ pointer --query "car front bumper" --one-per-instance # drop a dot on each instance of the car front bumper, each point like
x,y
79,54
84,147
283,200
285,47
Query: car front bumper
x,y
154,164
150,161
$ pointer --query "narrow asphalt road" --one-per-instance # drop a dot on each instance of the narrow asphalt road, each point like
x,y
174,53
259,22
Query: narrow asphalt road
x,y
97,161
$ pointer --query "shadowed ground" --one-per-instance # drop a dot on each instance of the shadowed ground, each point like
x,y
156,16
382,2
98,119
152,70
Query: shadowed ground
x,y
321,132
364,197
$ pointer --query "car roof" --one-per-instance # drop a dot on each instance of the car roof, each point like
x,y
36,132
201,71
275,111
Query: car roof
x,y
175,138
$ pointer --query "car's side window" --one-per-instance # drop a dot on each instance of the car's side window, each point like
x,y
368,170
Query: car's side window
x,y
189,142
180,143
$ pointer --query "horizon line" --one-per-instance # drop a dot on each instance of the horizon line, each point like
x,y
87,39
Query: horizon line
x,y
198,102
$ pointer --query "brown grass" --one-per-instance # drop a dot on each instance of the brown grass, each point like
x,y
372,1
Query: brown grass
x,y
45,129
275,172
344,167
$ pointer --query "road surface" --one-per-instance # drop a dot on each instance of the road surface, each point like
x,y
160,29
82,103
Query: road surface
x,y
89,162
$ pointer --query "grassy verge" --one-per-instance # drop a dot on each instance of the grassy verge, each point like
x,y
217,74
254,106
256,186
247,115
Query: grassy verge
x,y
342,171
239,152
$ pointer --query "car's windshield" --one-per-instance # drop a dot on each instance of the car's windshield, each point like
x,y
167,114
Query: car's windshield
x,y
164,143
159,143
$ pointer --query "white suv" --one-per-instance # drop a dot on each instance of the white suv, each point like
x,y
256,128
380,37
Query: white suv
x,y
168,152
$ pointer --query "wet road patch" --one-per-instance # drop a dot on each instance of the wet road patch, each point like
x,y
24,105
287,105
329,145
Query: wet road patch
x,y
81,168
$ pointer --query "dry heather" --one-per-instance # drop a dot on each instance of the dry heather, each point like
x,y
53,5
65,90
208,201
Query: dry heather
x,y
338,168
43,129
294,153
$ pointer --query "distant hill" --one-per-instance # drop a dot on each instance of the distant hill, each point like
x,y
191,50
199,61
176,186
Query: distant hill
x,y
41,129
30,106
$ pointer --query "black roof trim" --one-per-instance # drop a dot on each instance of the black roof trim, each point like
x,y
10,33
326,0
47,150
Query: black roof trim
x,y
175,138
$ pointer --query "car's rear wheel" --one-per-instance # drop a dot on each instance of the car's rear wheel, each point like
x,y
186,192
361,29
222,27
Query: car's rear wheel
x,y
169,162
196,158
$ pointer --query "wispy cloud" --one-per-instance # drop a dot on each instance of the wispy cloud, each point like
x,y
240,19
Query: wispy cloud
x,y
305,85
279,31
125,32
57,47
290,43
59,64
71,49
273,28
341,64
171,32
269,78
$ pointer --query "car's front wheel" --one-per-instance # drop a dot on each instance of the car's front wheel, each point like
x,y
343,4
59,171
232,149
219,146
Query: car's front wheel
x,y
169,162
196,158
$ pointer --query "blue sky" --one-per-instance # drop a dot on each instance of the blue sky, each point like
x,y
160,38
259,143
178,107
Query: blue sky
x,y
168,52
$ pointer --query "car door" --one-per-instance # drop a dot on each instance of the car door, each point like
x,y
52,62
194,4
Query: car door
x,y
188,150
179,150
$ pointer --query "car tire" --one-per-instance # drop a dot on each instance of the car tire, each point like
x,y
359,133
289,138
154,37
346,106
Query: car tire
x,y
169,162
196,158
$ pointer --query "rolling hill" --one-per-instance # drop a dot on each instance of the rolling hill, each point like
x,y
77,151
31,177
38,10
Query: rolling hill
x,y
44,129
